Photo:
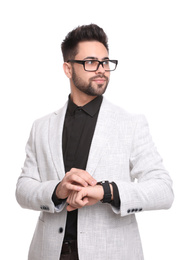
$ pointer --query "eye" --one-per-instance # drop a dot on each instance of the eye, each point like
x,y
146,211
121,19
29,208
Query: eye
x,y
106,62
91,62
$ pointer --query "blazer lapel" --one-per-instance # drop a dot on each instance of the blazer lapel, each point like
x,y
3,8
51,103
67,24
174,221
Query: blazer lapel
x,y
105,123
101,135
55,140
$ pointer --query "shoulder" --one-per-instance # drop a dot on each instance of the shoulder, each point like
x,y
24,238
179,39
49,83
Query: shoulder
x,y
121,114
42,121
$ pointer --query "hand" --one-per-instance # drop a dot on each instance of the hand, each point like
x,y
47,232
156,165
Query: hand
x,y
74,180
87,196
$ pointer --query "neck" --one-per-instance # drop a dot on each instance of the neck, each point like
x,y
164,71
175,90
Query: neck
x,y
79,98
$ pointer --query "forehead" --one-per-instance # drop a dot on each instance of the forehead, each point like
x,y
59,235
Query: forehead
x,y
91,49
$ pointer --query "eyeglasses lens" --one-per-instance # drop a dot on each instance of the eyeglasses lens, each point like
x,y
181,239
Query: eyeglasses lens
x,y
92,65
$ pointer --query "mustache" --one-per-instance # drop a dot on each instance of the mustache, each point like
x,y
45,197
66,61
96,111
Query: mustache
x,y
99,77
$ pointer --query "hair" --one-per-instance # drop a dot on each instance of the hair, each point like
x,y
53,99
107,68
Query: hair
x,y
82,33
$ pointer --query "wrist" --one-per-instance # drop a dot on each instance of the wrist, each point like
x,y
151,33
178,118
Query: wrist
x,y
59,193
56,200
100,192
107,191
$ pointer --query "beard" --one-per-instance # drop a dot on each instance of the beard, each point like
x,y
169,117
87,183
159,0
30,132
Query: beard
x,y
89,88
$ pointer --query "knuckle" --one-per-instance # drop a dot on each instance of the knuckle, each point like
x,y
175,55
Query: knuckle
x,y
67,174
61,185
72,177
68,185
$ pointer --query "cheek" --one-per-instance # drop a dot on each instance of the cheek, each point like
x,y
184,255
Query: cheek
x,y
107,74
83,75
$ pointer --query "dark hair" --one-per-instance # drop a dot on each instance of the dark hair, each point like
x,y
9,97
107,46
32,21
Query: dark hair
x,y
82,33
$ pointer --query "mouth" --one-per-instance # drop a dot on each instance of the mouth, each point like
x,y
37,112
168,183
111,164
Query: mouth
x,y
100,80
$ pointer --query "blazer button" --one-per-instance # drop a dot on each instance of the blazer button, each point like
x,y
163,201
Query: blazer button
x,y
60,230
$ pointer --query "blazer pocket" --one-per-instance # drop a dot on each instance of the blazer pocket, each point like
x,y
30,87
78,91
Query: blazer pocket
x,y
41,217
36,247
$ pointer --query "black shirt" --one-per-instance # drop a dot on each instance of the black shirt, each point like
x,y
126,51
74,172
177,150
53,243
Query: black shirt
x,y
78,131
79,126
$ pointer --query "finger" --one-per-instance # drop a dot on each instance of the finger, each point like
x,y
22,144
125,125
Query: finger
x,y
72,201
71,198
77,179
81,198
70,208
85,176
85,200
77,200
73,187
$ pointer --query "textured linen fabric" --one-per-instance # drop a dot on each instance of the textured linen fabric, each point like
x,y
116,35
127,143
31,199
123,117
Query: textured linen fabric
x,y
121,151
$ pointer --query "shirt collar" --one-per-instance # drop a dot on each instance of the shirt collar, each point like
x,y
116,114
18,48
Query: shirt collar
x,y
90,108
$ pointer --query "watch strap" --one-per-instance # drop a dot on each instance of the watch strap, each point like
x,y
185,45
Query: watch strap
x,y
107,191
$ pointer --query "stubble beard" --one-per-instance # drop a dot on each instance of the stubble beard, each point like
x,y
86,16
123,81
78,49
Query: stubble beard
x,y
88,88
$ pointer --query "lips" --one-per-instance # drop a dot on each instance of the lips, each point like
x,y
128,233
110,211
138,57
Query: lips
x,y
100,80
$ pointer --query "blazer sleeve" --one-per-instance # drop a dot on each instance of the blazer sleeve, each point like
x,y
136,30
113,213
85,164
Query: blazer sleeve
x,y
31,191
153,188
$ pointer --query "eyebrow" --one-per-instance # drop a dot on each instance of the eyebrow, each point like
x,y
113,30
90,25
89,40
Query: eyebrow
x,y
95,58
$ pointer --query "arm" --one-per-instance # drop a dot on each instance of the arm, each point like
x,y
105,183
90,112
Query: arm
x,y
33,193
153,190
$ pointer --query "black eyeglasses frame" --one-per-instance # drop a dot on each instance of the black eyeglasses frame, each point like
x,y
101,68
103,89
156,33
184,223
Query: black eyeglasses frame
x,y
100,63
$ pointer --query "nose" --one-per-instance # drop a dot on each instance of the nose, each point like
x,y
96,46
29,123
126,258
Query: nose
x,y
100,69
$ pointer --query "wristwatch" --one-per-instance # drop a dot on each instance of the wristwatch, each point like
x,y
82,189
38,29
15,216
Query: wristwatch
x,y
107,191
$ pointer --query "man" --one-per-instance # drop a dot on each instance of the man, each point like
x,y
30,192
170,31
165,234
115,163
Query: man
x,y
81,165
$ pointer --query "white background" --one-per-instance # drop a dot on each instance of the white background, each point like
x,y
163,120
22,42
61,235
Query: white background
x,y
152,41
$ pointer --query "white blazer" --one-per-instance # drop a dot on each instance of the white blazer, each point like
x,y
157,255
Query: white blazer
x,y
121,151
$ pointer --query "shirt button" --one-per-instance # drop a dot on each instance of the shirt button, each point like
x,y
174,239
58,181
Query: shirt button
x,y
60,230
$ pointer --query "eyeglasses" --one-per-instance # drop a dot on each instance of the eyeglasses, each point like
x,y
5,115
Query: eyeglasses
x,y
93,65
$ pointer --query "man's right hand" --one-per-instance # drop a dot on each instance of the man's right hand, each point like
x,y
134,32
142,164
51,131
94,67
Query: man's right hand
x,y
74,180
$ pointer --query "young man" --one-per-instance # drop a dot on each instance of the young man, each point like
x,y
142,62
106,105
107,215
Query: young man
x,y
82,162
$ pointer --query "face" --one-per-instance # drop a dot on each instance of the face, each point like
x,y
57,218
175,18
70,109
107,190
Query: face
x,y
90,83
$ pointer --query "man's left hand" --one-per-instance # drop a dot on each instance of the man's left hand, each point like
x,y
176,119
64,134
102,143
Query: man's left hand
x,y
86,197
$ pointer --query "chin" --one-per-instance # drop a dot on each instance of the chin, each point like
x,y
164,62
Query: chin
x,y
96,92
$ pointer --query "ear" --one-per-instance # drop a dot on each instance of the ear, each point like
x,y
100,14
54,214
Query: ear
x,y
67,69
